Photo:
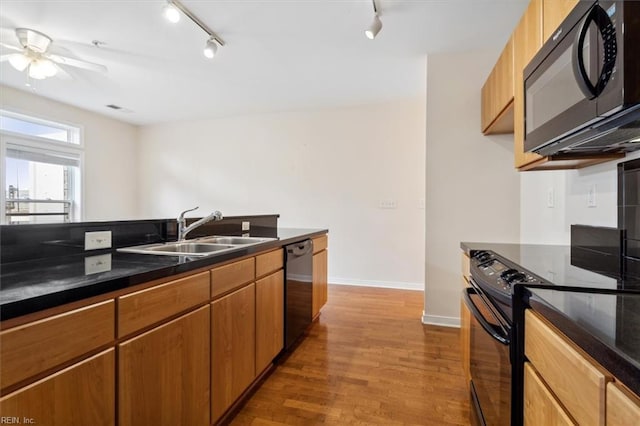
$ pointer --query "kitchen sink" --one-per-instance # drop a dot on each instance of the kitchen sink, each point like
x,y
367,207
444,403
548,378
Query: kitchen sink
x,y
233,240
205,246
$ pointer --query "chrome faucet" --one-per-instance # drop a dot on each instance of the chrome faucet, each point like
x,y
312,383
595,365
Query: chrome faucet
x,y
183,231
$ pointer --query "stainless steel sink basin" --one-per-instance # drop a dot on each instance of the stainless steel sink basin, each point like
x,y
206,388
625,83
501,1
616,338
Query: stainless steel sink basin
x,y
233,240
204,246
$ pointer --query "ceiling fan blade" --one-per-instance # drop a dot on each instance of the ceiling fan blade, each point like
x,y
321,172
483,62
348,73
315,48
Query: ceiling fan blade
x,y
77,63
62,74
17,60
10,47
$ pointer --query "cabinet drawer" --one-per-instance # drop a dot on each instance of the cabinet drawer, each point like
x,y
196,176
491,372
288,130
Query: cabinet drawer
x,y
320,243
578,383
33,348
540,406
269,262
623,407
143,308
232,276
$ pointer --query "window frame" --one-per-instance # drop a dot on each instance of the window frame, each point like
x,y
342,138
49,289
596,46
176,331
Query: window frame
x,y
9,139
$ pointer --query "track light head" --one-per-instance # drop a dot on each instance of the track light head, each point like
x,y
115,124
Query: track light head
x,y
374,28
171,13
210,49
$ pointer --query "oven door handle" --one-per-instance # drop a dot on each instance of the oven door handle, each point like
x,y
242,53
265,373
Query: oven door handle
x,y
497,333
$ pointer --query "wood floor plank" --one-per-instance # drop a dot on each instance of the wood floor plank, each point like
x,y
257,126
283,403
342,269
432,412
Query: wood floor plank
x,y
368,360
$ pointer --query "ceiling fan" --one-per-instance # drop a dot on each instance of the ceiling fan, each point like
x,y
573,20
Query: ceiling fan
x,y
34,56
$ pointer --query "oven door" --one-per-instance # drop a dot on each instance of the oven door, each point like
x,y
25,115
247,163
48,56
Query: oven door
x,y
564,81
490,362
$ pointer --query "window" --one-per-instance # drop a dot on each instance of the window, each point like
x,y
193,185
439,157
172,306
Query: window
x,y
42,173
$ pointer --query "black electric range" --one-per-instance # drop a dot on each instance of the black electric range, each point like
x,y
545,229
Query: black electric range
x,y
597,308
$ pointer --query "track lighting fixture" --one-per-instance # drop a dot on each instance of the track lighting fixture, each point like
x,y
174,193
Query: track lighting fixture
x,y
210,49
375,26
172,12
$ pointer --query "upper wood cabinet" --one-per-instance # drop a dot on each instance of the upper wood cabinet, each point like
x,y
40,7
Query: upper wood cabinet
x,y
539,21
554,12
497,95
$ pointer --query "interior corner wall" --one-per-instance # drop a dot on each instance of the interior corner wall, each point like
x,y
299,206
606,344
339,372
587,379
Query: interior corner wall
x,y
326,168
472,187
110,154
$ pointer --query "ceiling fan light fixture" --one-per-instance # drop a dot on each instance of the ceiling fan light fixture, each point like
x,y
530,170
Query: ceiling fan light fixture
x,y
171,13
210,49
41,69
19,61
374,28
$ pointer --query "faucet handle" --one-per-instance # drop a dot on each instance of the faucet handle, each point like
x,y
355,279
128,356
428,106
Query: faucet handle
x,y
181,217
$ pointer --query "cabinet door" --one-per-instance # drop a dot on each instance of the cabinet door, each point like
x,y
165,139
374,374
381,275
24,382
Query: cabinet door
x,y
233,348
554,13
497,95
164,374
540,406
527,41
319,282
83,394
623,407
269,319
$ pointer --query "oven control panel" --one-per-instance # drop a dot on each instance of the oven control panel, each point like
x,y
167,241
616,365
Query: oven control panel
x,y
499,274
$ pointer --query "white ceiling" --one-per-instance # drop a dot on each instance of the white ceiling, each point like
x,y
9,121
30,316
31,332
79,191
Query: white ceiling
x,y
280,54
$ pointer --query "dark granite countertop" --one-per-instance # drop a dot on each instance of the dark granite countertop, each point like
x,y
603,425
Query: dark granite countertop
x,y
598,312
31,286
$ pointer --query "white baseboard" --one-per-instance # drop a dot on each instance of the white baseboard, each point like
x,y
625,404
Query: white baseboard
x,y
442,321
373,283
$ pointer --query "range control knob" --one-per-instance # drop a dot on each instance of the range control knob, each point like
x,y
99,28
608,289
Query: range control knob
x,y
517,277
482,256
508,273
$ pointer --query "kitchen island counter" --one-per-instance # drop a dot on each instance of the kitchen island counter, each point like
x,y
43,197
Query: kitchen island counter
x,y
35,285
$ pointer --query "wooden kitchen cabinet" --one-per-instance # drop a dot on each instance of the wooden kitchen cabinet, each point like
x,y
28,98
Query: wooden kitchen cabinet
x,y
497,95
554,12
540,406
233,348
269,319
320,274
465,323
623,407
39,346
578,383
82,394
163,374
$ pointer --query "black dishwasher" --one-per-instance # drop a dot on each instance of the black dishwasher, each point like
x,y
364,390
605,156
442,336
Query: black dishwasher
x,y
297,290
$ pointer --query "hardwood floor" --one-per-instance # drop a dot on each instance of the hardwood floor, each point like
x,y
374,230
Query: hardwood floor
x,y
368,360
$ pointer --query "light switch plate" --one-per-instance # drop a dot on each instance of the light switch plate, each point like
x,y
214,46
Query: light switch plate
x,y
97,240
246,226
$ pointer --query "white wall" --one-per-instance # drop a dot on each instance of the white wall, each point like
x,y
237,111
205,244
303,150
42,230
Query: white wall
x,y
110,154
541,224
318,169
472,188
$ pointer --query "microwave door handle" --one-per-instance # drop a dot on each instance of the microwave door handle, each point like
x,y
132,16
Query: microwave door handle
x,y
577,59
607,30
489,328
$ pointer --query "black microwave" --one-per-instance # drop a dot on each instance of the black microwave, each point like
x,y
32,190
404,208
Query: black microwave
x,y
582,89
